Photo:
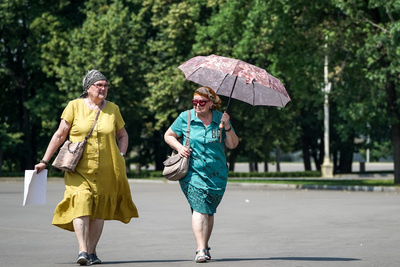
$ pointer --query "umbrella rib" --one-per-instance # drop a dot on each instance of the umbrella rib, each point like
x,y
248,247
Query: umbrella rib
x,y
254,93
233,88
192,73
282,103
226,75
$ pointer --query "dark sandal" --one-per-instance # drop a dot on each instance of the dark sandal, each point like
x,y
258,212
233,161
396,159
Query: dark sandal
x,y
94,259
201,258
83,258
208,255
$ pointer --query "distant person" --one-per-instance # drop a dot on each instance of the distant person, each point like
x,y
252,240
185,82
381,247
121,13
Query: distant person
x,y
98,190
205,183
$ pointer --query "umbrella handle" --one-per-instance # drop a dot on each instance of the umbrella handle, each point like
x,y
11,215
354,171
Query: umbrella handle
x,y
221,126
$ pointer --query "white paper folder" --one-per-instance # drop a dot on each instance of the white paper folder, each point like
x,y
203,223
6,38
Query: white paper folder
x,y
35,187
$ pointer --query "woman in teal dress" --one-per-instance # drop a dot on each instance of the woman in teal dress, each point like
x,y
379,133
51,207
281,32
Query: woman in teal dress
x,y
205,183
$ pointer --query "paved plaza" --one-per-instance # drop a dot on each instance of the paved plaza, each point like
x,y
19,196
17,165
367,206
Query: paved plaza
x,y
255,226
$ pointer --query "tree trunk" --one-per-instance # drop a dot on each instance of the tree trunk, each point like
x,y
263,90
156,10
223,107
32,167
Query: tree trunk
x,y
335,161
396,151
160,146
231,164
1,160
393,110
306,155
252,162
251,165
316,161
319,157
232,161
266,165
26,157
346,156
278,158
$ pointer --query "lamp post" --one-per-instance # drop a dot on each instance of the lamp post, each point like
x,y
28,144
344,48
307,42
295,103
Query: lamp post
x,y
327,166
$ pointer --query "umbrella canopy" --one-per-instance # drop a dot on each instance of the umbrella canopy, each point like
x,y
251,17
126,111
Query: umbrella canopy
x,y
237,79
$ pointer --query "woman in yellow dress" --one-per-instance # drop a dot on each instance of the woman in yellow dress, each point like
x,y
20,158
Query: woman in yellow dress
x,y
98,190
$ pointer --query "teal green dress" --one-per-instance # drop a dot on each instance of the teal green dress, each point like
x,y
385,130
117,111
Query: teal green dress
x,y
205,183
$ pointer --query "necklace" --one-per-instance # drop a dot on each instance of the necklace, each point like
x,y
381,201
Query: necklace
x,y
94,106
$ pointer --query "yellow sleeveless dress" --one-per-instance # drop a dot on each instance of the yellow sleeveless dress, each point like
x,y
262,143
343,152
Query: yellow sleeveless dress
x,y
99,186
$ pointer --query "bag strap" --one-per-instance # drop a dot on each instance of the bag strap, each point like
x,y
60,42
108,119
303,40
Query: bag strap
x,y
94,123
187,143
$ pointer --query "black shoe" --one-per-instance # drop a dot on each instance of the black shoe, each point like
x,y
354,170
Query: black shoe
x,y
93,259
83,258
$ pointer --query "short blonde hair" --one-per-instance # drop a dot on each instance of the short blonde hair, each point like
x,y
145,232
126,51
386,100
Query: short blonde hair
x,y
209,93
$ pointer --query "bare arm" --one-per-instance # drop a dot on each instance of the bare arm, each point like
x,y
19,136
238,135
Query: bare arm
x,y
231,140
171,138
56,141
123,140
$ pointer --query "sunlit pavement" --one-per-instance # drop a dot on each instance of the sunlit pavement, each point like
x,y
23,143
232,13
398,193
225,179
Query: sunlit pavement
x,y
255,226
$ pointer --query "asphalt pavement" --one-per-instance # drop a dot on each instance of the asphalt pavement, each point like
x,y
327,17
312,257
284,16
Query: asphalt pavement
x,y
255,225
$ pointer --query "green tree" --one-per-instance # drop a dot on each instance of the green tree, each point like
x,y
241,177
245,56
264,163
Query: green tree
x,y
111,39
173,34
372,36
243,30
46,48
27,96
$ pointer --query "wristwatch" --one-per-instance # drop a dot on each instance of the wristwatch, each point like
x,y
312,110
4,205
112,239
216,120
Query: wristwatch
x,y
122,154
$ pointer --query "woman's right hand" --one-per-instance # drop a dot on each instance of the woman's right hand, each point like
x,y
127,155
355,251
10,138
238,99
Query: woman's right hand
x,y
184,152
171,139
40,167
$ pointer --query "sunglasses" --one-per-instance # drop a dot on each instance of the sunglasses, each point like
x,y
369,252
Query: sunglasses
x,y
202,103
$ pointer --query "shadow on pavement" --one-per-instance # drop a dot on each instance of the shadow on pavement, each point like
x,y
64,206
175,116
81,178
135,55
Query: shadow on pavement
x,y
142,261
291,259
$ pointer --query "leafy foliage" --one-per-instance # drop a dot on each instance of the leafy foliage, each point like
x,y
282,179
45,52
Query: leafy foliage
x,y
48,46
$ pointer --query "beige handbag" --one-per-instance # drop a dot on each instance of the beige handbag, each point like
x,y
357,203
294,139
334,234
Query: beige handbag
x,y
176,167
70,153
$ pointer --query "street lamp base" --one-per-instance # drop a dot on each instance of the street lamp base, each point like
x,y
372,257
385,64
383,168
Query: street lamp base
x,y
327,169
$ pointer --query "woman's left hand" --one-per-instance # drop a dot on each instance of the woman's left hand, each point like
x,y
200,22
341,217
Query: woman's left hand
x,y
224,121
